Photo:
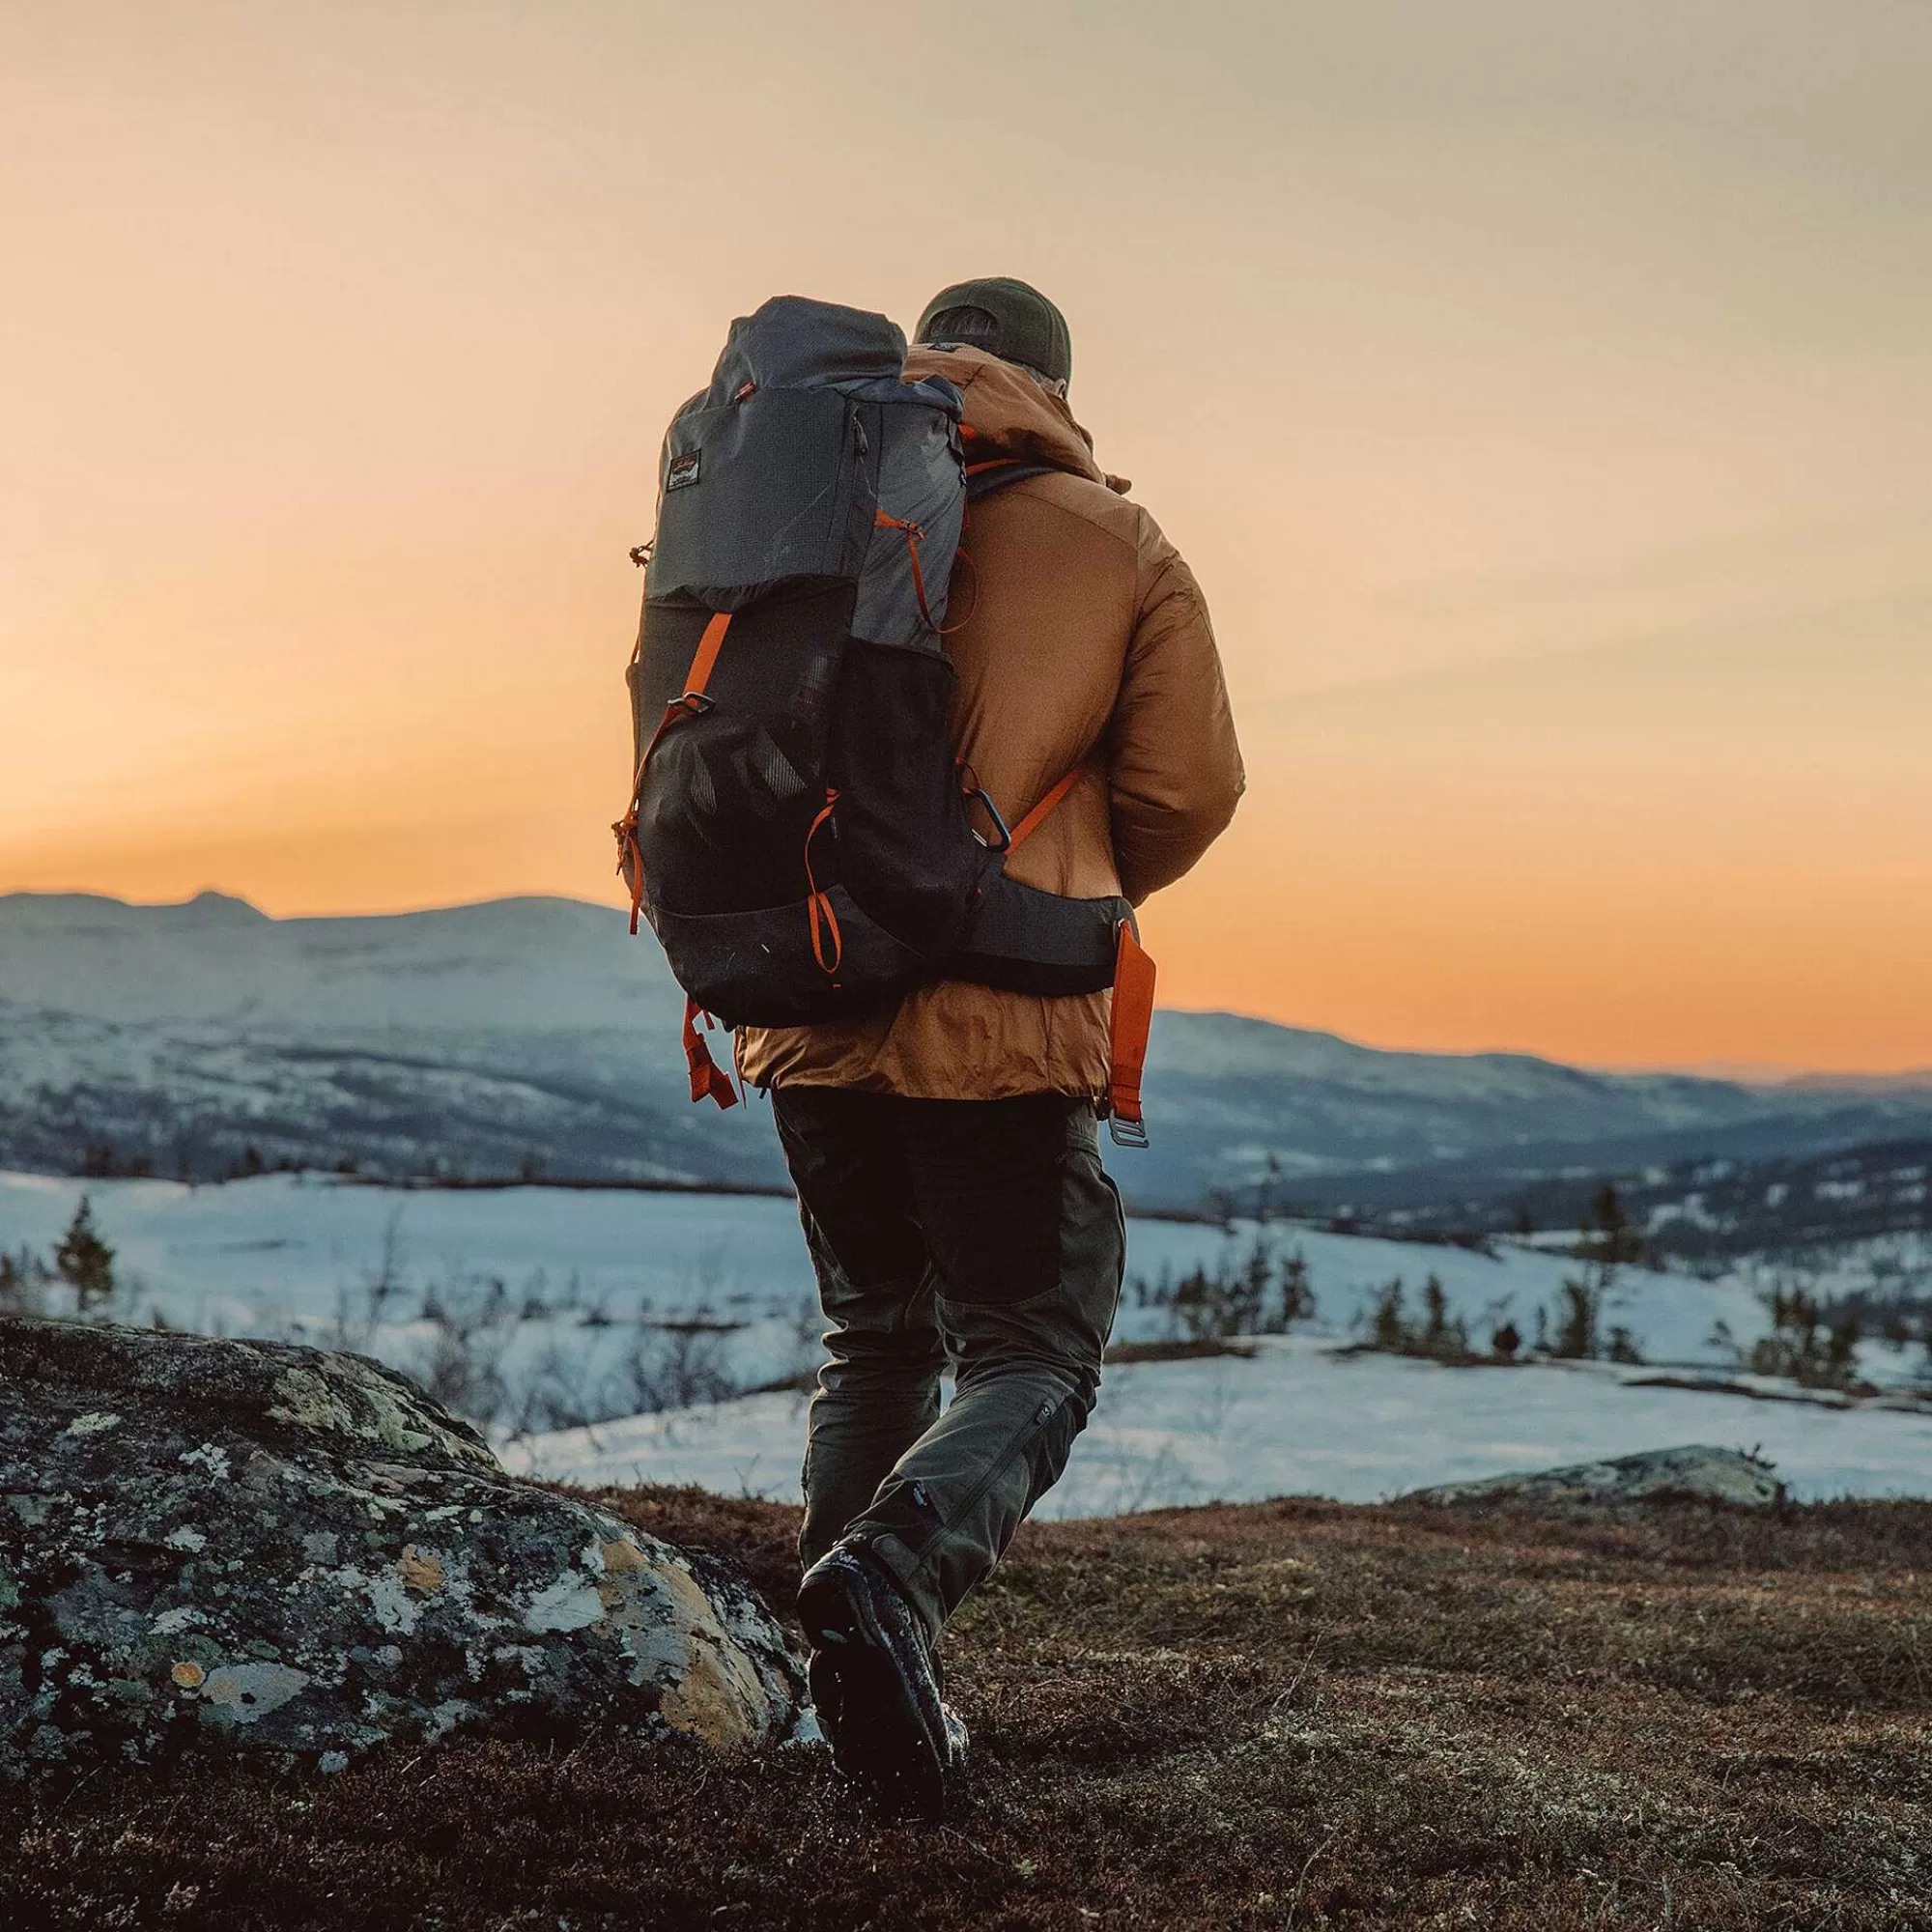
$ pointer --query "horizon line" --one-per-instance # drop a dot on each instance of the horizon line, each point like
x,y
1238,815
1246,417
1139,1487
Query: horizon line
x,y
1744,1073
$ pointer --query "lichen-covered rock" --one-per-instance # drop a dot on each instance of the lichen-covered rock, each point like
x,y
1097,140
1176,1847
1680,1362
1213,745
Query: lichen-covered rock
x,y
1717,1475
207,1545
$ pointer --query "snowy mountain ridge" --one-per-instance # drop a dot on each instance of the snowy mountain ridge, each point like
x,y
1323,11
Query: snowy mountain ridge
x,y
506,965
531,1035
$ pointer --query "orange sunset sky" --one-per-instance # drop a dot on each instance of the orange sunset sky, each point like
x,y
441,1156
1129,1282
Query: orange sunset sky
x,y
1541,390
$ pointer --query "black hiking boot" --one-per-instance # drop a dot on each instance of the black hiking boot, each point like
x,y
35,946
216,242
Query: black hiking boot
x,y
874,1686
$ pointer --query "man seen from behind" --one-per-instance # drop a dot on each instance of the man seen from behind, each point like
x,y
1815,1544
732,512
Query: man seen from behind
x,y
944,1150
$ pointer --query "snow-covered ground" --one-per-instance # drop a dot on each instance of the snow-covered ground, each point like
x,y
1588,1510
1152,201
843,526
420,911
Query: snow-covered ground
x,y
1294,1420
569,1300
559,1293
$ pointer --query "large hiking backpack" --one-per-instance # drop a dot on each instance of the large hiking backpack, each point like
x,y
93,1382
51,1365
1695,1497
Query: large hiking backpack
x,y
800,835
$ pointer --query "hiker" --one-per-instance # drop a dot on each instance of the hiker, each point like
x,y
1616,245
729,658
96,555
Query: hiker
x,y
945,1147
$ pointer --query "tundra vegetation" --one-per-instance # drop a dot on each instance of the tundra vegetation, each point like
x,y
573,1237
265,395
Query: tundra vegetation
x,y
517,1358
1260,1289
1255,1293
1294,1714
78,1279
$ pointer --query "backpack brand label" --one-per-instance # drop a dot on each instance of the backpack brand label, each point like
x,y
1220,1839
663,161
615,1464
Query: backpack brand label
x,y
683,470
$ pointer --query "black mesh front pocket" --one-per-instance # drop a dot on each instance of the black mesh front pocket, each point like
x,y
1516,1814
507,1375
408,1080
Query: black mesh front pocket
x,y
736,774
726,816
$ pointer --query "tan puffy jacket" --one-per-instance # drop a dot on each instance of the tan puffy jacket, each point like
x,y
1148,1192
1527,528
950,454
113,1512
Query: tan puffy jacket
x,y
1082,642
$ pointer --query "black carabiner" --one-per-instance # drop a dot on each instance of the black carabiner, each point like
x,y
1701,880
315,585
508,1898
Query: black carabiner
x,y
985,797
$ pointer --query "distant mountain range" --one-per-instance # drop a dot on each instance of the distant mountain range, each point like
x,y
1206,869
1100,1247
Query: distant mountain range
x,y
531,1036
1713,1209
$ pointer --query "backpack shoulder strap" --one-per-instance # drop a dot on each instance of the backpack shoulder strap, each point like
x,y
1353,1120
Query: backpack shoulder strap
x,y
1000,472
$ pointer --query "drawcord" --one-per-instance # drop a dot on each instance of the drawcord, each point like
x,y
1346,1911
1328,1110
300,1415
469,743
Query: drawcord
x,y
914,536
817,905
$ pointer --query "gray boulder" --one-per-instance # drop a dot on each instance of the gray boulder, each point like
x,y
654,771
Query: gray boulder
x,y
1718,1475
210,1545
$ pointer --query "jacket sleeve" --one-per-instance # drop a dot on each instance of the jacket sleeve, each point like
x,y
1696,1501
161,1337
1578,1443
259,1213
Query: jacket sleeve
x,y
1176,768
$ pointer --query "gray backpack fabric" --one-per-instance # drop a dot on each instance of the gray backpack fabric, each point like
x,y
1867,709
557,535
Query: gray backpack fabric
x,y
788,492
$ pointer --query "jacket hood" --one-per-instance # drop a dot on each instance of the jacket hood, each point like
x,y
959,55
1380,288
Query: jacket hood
x,y
1007,414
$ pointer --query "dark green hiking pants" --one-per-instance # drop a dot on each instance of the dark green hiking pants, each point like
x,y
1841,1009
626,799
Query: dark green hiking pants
x,y
976,1236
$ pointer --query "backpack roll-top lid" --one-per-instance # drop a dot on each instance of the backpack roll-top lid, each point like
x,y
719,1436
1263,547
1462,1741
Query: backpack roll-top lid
x,y
792,342
770,475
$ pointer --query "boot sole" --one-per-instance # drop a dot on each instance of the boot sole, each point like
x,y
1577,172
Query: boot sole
x,y
879,1740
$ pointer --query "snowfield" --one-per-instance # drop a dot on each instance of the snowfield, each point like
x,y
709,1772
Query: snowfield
x,y
1296,1421
596,1304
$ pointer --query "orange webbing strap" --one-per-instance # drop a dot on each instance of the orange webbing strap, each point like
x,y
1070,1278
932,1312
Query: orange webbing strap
x,y
1031,823
699,674
828,943
1127,1039
707,1077
630,857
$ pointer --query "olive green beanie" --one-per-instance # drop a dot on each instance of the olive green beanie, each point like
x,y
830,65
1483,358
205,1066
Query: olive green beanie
x,y
1025,327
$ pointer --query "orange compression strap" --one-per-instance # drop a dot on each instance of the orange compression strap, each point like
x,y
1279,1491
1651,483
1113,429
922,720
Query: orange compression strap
x,y
706,657
1031,822
1128,1038
707,1078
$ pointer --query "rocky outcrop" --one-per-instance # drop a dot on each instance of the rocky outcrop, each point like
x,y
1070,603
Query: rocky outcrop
x,y
1657,1475
210,1545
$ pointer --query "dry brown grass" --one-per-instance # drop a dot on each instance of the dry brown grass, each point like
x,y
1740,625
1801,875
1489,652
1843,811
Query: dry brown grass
x,y
1295,1714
